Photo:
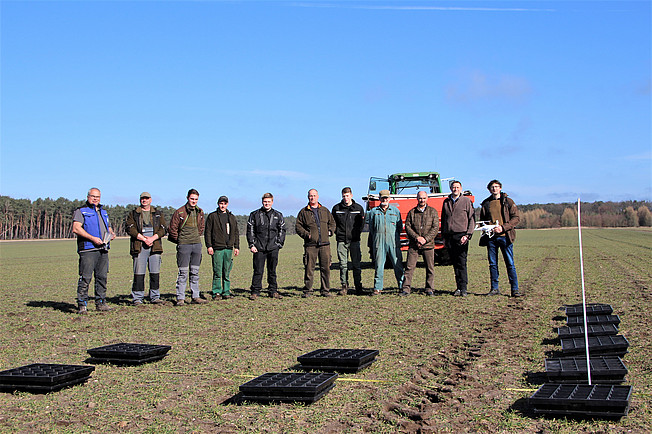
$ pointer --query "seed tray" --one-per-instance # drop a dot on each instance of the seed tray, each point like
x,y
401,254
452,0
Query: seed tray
x,y
121,361
334,368
598,400
609,369
43,377
598,345
591,309
287,398
592,319
338,357
292,386
593,329
128,351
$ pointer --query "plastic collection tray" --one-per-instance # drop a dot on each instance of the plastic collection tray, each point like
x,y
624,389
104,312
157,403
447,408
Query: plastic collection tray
x,y
604,370
598,345
593,329
582,400
126,353
341,359
304,387
592,319
43,377
591,309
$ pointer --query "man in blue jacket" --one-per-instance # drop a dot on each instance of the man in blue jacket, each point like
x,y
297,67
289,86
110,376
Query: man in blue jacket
x,y
385,226
94,233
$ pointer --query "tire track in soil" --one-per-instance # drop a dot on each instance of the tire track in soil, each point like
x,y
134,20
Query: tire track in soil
x,y
449,383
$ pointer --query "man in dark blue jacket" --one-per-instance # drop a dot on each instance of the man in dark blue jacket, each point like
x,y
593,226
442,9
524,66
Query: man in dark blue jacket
x,y
349,220
265,236
94,233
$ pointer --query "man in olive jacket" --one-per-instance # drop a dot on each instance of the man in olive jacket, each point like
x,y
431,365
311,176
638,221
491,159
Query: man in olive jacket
x,y
146,226
222,243
499,207
315,224
421,225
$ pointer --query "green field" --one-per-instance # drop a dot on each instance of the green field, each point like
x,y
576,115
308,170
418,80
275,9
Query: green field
x,y
446,364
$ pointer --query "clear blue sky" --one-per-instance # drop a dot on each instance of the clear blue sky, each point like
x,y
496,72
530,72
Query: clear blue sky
x,y
244,97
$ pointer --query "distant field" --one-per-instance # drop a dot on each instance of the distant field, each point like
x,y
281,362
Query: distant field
x,y
445,364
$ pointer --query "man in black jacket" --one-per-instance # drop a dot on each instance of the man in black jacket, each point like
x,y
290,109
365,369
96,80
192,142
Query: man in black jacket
x,y
349,220
315,224
223,243
265,236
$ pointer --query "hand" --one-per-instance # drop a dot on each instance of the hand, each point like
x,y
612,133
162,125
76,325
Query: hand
x,y
421,241
112,234
463,240
149,241
254,249
236,252
498,229
97,241
210,251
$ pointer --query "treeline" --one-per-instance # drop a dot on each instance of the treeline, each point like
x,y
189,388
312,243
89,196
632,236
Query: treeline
x,y
595,214
23,219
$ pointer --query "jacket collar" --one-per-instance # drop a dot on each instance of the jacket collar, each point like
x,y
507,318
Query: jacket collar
x,y
308,207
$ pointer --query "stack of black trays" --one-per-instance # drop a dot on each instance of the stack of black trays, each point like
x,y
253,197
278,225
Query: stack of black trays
x,y
598,346
592,319
43,377
305,387
337,360
593,330
582,400
591,309
128,354
604,370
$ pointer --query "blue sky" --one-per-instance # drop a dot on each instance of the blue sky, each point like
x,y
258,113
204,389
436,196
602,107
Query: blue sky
x,y
244,97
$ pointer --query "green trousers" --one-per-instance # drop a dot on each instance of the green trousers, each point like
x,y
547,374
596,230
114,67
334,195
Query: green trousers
x,y
222,264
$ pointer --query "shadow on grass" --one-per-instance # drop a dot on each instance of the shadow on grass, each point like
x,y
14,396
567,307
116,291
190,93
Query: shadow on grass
x,y
536,377
550,341
54,305
522,408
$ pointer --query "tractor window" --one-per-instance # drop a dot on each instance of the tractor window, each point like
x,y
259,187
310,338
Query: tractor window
x,y
377,184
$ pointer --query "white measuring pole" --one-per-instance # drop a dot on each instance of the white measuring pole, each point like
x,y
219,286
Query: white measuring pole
x,y
586,326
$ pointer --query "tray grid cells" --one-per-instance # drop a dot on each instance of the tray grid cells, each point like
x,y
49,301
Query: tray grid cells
x,y
129,351
593,319
591,309
593,330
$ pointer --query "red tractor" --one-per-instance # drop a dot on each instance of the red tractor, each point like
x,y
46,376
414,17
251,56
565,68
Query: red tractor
x,y
403,188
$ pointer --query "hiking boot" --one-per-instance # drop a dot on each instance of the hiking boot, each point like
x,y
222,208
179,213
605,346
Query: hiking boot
x,y
215,296
404,293
275,295
82,310
375,292
227,297
326,294
494,292
306,294
429,293
138,303
253,296
459,293
103,307
157,301
199,300
179,303
344,290
517,294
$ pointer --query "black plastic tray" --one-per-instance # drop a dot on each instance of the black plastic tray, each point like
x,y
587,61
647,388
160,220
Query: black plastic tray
x,y
598,345
591,309
291,385
594,330
604,370
44,374
592,319
598,400
121,361
129,351
338,357
334,368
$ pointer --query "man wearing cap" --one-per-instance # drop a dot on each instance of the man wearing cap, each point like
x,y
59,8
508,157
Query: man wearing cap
x,y
457,223
223,243
385,227
146,226
94,233
421,226
315,224
186,228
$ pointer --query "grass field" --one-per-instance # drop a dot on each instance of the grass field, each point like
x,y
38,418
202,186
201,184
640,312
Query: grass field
x,y
445,365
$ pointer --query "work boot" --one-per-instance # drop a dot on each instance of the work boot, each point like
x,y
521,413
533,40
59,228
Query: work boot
x,y
198,300
82,310
157,301
494,292
275,295
103,307
429,293
460,293
326,293
227,297
138,303
359,290
306,294
344,290
375,292
517,294
404,293
253,296
180,302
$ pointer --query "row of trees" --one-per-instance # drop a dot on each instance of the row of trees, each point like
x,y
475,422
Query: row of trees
x,y
49,218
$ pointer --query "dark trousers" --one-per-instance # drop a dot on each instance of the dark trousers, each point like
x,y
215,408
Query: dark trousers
x,y
458,253
412,258
310,255
271,256
95,262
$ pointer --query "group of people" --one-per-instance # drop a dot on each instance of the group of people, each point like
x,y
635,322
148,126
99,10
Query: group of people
x,y
265,235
